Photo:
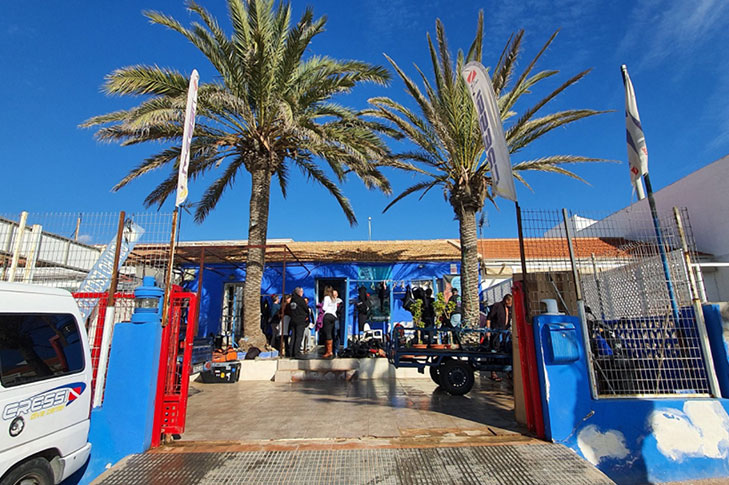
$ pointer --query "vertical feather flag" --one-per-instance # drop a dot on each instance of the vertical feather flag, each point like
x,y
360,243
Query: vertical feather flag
x,y
637,151
492,131
187,138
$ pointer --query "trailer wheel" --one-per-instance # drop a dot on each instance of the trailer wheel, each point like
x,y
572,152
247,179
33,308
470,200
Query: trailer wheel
x,y
435,373
456,377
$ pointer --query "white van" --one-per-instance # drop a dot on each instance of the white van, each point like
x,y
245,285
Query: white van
x,y
45,385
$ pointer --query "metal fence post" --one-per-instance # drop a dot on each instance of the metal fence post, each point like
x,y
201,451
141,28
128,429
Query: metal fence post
x,y
201,270
108,318
580,305
18,246
32,256
698,311
168,273
283,302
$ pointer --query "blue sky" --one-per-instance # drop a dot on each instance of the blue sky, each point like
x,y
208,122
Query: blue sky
x,y
55,56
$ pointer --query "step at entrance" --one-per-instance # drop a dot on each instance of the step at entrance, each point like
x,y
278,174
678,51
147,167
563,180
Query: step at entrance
x,y
291,370
510,464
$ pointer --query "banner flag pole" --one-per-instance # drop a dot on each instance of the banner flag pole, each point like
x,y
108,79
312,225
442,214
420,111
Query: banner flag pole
x,y
181,184
638,158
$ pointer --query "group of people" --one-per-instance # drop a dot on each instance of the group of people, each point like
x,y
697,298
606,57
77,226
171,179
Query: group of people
x,y
287,328
428,310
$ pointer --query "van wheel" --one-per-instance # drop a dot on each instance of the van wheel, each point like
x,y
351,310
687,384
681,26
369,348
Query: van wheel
x,y
32,472
456,377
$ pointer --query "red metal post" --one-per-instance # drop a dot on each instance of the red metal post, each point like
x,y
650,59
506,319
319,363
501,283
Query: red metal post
x,y
95,340
192,316
161,383
528,359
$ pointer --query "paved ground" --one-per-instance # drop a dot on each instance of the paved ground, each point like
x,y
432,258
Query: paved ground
x,y
404,431
249,411
546,464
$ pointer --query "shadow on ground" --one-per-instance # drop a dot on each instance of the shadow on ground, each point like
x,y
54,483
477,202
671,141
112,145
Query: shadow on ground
x,y
337,409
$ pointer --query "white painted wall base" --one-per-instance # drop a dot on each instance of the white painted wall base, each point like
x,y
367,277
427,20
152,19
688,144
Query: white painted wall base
x,y
366,369
257,370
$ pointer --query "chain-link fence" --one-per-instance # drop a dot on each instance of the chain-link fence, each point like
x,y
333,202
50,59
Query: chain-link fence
x,y
76,251
634,279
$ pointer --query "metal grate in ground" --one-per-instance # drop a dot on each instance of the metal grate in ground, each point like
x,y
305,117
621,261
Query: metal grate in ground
x,y
499,465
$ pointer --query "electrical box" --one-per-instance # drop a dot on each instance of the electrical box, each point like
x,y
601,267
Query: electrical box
x,y
562,343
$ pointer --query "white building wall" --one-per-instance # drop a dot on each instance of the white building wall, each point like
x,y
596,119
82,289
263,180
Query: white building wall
x,y
705,193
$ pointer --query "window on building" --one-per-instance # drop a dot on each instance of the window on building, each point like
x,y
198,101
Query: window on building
x,y
38,346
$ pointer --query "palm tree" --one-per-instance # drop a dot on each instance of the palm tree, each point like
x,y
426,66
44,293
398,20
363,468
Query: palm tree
x,y
448,145
270,110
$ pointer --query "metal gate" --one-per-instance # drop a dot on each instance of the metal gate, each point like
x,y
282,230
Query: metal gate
x,y
174,366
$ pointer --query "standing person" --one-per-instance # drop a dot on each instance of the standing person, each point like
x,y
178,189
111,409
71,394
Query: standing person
x,y
265,313
456,315
499,318
275,321
299,314
363,309
428,309
310,321
330,304
337,323
286,323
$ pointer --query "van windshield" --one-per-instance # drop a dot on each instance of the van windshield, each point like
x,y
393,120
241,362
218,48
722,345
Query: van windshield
x,y
38,346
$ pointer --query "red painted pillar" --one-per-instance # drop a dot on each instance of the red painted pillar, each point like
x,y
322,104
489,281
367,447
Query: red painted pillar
x,y
528,359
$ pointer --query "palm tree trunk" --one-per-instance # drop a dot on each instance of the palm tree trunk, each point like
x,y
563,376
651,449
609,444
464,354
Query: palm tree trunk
x,y
469,267
257,229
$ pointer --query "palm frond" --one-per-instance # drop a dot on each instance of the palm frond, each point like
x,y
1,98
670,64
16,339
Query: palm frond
x,y
316,174
427,185
213,193
475,52
271,104
140,79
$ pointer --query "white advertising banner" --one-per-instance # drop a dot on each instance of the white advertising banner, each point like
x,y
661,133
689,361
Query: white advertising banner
x,y
99,278
187,138
492,131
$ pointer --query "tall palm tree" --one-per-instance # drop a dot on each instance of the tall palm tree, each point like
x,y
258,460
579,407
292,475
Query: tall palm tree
x,y
270,110
448,145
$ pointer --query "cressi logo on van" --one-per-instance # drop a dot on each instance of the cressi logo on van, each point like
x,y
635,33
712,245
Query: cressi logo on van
x,y
46,402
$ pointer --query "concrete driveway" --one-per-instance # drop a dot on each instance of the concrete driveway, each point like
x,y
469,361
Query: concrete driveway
x,y
253,411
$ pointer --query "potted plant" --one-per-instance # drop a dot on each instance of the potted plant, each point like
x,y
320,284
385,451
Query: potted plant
x,y
416,309
443,313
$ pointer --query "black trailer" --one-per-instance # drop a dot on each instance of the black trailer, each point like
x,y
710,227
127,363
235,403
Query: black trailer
x,y
451,365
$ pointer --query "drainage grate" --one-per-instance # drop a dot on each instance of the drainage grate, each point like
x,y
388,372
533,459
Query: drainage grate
x,y
498,465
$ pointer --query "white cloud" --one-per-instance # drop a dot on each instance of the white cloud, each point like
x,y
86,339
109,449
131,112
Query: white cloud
x,y
661,30
595,445
702,429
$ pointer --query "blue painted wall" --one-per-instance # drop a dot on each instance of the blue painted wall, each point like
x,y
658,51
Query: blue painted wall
x,y
216,275
123,424
634,440
719,340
